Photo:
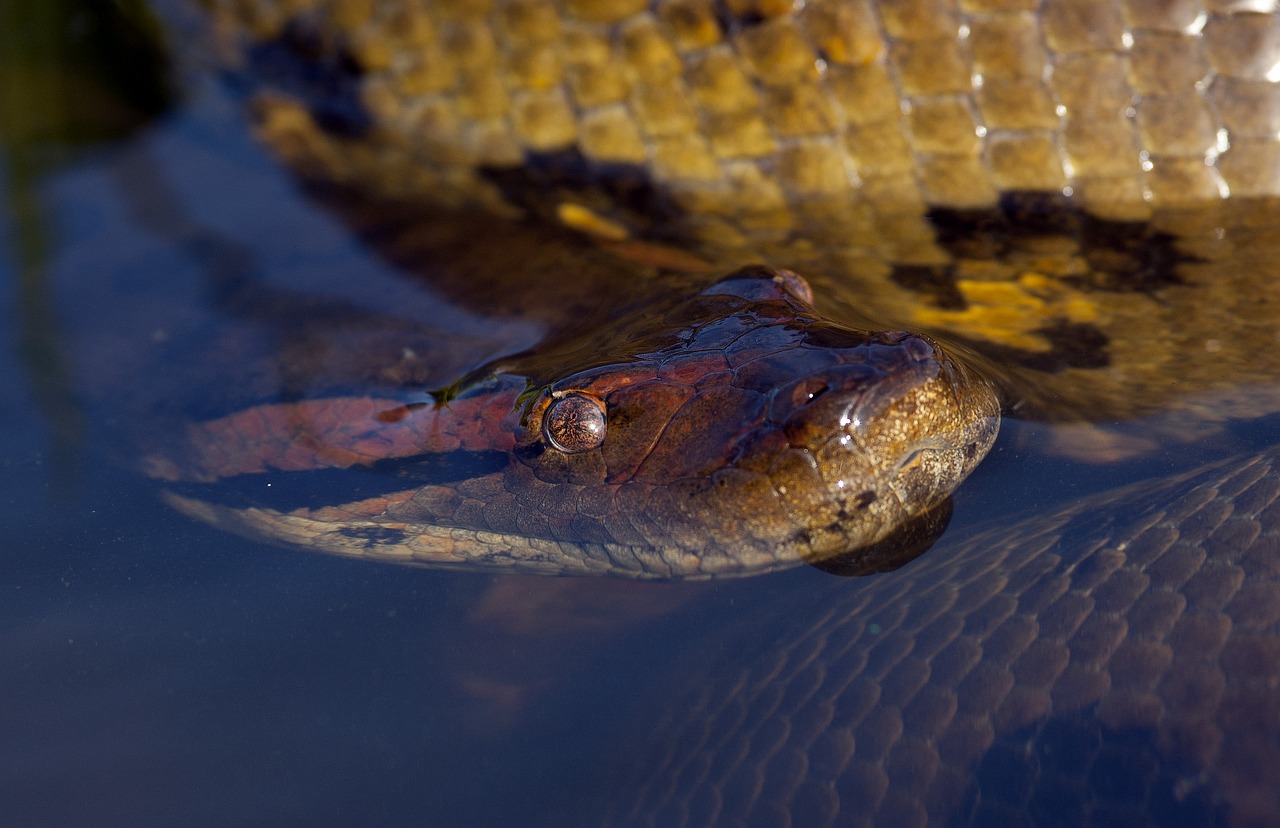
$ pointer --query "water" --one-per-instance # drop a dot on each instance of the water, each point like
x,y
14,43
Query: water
x,y
154,671
157,672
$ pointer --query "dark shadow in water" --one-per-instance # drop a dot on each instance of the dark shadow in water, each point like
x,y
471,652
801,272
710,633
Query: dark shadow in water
x,y
1071,770
316,488
908,542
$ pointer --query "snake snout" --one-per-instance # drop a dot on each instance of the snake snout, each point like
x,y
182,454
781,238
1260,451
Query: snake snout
x,y
905,423
813,408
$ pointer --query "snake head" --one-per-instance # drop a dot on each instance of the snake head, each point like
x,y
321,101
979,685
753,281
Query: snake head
x,y
732,431
758,433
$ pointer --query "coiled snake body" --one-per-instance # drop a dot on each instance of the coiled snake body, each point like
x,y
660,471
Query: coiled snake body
x,y
1104,667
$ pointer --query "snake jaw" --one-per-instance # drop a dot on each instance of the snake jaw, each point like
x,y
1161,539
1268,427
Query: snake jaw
x,y
769,436
751,436
897,449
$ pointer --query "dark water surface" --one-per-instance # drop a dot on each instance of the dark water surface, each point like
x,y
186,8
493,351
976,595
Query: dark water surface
x,y
154,671
157,672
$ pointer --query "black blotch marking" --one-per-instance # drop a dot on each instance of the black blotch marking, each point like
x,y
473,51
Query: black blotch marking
x,y
937,283
317,488
1123,257
1130,257
1072,345
319,71
865,499
375,535
972,234
1040,213
731,22
547,179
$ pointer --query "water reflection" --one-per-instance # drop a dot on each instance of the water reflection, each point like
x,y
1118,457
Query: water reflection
x,y
156,671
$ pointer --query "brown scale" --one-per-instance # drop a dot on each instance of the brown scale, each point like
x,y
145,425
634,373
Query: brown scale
x,y
1095,219
1111,661
848,142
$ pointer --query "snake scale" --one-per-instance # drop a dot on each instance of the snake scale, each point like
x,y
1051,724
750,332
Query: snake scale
x,y
1079,190
1113,662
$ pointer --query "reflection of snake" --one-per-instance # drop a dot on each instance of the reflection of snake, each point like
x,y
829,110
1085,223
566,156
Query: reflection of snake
x,y
1114,672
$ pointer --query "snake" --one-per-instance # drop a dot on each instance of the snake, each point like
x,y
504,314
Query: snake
x,y
1110,662
1076,190
743,434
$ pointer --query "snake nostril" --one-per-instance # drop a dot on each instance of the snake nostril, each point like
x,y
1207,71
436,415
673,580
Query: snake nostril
x,y
795,283
807,391
919,348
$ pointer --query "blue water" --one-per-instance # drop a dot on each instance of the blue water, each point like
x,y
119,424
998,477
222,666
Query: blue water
x,y
158,672
154,671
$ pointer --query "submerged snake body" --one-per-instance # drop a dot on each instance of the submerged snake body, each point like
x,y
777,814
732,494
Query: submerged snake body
x,y
740,434
1070,670
1113,662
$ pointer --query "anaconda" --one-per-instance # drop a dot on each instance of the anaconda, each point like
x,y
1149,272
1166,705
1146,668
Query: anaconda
x,y
1092,646
734,433
1086,315
912,160
1112,662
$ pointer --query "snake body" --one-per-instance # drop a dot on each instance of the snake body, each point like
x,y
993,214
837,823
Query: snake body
x,y
1044,181
1111,663
738,433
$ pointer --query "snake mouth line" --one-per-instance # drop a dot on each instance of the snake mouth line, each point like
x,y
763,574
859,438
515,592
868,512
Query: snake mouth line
x,y
894,473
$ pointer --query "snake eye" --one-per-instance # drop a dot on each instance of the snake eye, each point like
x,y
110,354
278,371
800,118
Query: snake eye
x,y
574,423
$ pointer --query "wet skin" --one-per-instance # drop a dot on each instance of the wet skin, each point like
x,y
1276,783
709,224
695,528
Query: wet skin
x,y
731,432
